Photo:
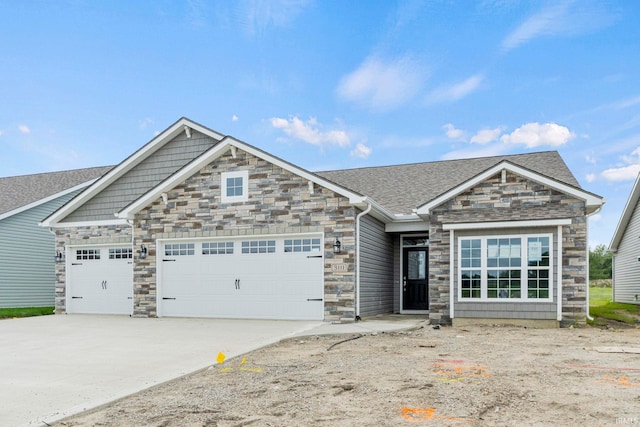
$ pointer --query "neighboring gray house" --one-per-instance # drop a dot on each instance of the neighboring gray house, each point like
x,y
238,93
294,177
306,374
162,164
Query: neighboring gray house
x,y
27,271
200,224
625,246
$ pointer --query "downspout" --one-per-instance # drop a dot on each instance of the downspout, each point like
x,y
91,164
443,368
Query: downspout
x,y
360,215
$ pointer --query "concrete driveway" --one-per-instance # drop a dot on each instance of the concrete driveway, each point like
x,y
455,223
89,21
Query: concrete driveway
x,y
54,366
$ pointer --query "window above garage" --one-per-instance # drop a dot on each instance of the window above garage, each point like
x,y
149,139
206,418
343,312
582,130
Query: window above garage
x,y
235,186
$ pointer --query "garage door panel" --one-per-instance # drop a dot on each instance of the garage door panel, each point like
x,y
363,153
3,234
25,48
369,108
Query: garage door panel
x,y
247,278
100,280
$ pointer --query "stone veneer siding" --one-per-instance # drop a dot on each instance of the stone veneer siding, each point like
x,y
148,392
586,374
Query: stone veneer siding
x,y
515,199
83,236
279,203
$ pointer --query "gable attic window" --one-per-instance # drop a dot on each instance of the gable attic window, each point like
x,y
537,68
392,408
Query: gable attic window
x,y
235,186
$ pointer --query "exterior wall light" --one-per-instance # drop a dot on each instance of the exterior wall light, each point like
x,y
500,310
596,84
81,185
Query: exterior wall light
x,y
143,251
337,246
59,256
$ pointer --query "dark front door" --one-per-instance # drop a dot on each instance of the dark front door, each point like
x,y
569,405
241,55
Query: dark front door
x,y
415,275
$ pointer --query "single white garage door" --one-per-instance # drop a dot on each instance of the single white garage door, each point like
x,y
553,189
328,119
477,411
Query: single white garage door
x,y
100,280
259,277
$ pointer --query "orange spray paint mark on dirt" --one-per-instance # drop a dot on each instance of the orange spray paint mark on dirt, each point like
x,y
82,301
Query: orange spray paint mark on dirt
x,y
419,415
623,381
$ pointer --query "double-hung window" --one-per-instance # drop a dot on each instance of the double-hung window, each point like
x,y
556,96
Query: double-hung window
x,y
505,268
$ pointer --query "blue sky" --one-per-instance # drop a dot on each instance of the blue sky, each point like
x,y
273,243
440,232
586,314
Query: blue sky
x,y
328,84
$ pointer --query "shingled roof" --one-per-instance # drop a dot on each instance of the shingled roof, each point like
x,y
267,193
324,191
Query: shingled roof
x,y
19,191
402,188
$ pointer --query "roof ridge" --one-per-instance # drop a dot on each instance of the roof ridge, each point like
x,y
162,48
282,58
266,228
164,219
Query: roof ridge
x,y
442,161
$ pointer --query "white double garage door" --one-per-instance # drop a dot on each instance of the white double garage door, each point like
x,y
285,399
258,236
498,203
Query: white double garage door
x,y
265,277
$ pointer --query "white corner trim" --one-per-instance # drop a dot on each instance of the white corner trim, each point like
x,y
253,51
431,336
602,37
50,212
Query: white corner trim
x,y
507,224
559,274
590,199
452,285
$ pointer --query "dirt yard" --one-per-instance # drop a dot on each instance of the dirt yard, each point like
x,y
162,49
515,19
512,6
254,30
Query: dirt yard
x,y
485,376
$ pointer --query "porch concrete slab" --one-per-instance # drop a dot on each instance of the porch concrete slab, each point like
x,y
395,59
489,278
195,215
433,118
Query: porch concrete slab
x,y
52,367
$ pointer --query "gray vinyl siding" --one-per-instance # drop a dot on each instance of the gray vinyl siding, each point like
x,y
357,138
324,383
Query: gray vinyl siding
x,y
27,271
397,274
508,309
151,171
376,268
626,268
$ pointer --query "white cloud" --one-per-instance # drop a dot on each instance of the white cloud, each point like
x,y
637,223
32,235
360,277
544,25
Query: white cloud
x,y
361,151
145,123
453,133
234,118
565,18
383,85
590,158
1,132
627,172
310,131
486,136
456,91
624,173
590,177
258,16
24,129
534,135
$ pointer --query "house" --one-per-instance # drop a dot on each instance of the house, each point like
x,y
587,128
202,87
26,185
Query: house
x,y
196,223
27,272
625,246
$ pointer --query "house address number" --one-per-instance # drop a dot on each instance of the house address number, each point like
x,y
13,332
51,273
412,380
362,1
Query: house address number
x,y
339,267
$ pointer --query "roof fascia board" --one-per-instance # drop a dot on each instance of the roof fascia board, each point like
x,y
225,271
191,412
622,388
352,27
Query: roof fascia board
x,y
506,224
627,213
591,200
129,163
104,222
47,199
212,154
406,226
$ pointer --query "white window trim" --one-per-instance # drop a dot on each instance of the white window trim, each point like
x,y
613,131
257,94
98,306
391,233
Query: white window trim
x,y
524,277
245,186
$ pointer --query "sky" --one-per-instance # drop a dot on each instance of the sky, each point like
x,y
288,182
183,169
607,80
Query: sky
x,y
329,84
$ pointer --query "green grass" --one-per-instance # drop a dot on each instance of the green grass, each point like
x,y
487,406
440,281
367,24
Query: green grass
x,y
601,308
6,313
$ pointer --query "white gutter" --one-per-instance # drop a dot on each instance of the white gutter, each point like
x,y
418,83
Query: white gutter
x,y
360,215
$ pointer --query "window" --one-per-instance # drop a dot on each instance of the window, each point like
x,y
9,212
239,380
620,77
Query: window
x,y
505,268
177,249
259,247
217,248
120,253
86,254
235,186
302,245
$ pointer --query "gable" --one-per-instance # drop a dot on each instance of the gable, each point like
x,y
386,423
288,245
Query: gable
x,y
19,193
629,212
165,161
591,201
403,188
160,157
230,147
